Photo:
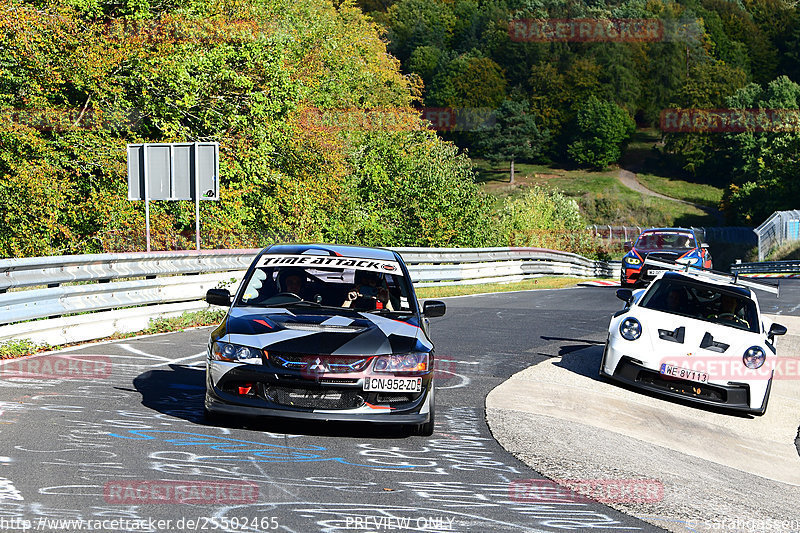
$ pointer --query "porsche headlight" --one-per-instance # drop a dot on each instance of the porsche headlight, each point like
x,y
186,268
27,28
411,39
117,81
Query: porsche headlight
x,y
225,351
689,260
633,260
630,329
754,357
410,362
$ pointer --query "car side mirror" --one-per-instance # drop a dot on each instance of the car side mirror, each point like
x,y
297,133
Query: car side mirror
x,y
776,329
218,297
626,295
433,308
627,246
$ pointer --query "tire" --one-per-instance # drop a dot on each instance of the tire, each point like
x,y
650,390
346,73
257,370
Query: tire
x,y
426,429
211,418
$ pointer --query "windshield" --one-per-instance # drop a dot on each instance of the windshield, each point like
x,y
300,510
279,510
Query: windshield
x,y
654,240
702,302
330,282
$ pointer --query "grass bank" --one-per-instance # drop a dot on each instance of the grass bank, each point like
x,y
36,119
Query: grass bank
x,y
603,199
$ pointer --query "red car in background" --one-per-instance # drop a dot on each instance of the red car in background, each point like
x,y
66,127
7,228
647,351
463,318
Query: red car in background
x,y
673,244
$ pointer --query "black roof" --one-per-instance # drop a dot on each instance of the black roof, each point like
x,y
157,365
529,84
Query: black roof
x,y
361,252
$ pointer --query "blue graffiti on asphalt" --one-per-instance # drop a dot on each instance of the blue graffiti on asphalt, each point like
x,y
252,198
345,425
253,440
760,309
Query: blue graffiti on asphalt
x,y
256,451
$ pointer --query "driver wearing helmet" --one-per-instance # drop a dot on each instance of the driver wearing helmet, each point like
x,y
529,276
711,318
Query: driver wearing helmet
x,y
292,280
369,292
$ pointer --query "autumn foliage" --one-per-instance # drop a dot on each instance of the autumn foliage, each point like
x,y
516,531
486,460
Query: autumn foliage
x,y
79,80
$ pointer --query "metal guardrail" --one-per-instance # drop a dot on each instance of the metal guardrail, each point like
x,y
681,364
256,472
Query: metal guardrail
x,y
780,227
62,299
768,267
463,266
713,235
57,270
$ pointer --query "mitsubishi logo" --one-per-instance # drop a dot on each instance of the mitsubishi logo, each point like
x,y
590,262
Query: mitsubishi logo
x,y
317,366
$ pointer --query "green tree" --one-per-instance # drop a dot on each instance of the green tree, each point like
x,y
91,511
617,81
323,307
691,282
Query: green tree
x,y
415,23
513,137
291,90
413,189
765,161
708,86
470,82
601,131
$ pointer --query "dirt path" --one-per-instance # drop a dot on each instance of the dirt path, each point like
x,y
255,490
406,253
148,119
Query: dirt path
x,y
628,179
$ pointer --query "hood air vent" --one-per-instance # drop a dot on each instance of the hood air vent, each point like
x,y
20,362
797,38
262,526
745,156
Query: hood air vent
x,y
672,336
709,343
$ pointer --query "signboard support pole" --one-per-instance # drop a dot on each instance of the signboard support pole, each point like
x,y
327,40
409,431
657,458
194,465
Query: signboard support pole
x,y
146,200
196,198
172,167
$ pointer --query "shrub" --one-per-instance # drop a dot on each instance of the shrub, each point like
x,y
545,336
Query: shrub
x,y
602,129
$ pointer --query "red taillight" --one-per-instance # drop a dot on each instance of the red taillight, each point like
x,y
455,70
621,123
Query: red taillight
x,y
245,389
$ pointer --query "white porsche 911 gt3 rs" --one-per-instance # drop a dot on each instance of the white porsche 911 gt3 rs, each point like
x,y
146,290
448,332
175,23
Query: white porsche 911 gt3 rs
x,y
695,335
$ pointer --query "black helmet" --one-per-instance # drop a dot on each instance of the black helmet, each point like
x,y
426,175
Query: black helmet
x,y
288,272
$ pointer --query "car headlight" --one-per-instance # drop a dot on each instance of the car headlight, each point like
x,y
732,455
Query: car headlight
x,y
633,260
754,357
410,362
630,329
689,261
225,351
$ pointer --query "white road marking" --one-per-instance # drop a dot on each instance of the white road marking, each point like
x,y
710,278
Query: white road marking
x,y
171,361
131,349
464,380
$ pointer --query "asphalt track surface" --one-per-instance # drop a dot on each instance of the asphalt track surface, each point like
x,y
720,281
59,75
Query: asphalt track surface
x,y
73,448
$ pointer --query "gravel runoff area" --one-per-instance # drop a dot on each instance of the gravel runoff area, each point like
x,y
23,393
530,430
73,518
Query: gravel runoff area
x,y
719,472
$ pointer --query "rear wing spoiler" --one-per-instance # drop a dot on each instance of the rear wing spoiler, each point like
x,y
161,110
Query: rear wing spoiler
x,y
714,275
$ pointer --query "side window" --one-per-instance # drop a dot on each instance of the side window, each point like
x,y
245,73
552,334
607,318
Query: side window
x,y
259,286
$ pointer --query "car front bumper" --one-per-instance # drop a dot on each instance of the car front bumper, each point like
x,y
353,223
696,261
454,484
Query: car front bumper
x,y
734,396
335,397
629,276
